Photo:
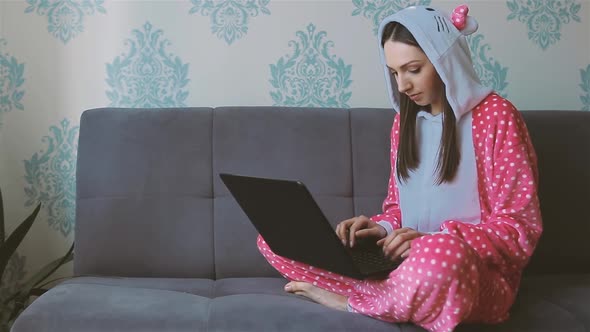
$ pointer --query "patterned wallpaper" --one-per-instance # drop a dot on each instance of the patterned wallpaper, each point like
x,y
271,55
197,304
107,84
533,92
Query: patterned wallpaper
x,y
60,57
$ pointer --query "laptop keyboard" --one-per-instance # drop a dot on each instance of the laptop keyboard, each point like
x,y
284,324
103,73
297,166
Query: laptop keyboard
x,y
371,260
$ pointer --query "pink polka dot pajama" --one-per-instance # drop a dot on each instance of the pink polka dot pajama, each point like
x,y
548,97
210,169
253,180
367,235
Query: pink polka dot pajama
x,y
468,272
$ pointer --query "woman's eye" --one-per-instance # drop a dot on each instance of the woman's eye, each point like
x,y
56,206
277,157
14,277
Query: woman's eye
x,y
415,71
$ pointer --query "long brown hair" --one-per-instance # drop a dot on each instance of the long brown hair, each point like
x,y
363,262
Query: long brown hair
x,y
408,159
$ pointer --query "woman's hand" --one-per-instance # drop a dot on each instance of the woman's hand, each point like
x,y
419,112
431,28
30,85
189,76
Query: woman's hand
x,y
359,227
397,244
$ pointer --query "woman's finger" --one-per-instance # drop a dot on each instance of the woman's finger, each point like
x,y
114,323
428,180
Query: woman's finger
x,y
403,247
401,236
361,222
406,253
393,251
386,240
367,232
342,230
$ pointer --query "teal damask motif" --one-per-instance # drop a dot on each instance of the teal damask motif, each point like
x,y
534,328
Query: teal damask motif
x,y
51,176
11,81
229,18
377,10
490,72
544,18
585,74
147,76
65,17
310,77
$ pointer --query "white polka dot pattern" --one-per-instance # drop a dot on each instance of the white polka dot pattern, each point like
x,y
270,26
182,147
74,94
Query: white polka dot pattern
x,y
507,180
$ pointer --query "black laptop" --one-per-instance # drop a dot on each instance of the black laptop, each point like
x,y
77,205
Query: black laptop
x,y
292,224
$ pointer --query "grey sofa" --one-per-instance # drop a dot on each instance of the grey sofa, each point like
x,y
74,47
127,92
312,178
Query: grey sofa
x,y
162,246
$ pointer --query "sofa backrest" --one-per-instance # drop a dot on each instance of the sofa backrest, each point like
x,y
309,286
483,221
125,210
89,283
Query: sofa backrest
x,y
562,144
150,202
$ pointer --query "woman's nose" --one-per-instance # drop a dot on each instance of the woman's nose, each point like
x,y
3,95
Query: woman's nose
x,y
403,85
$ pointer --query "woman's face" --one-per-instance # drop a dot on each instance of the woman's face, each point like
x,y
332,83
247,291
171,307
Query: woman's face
x,y
415,75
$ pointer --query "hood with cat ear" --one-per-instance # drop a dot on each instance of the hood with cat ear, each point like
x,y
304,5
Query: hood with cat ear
x,y
442,38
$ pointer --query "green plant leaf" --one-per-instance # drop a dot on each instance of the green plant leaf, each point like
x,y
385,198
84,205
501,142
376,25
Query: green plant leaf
x,y
2,230
21,297
50,268
8,248
26,289
19,306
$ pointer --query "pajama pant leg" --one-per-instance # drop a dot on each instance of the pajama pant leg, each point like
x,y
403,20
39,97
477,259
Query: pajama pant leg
x,y
296,271
442,283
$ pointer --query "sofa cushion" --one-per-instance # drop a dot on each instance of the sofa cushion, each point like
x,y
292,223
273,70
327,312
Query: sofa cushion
x,y
94,307
545,303
164,304
201,287
280,313
144,193
311,145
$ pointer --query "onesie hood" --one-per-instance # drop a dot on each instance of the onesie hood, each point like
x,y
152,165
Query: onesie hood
x,y
442,38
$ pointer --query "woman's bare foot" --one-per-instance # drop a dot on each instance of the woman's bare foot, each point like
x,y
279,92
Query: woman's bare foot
x,y
317,294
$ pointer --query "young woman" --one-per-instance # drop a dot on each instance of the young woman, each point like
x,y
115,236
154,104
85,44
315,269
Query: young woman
x,y
462,210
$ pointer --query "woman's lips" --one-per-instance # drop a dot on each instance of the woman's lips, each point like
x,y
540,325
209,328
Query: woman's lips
x,y
414,96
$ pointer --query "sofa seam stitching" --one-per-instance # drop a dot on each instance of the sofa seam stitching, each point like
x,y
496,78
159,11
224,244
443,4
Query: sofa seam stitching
x,y
210,304
213,194
127,286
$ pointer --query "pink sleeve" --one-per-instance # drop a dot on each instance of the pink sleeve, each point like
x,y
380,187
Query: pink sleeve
x,y
391,211
507,180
